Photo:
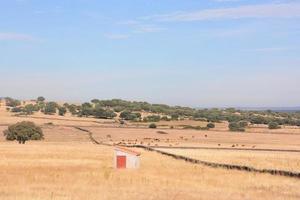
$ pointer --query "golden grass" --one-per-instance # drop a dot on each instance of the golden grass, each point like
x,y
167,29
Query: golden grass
x,y
67,166
260,160
198,138
84,171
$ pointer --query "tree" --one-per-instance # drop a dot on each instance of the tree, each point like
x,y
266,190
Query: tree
x,y
165,118
152,125
10,102
72,109
210,125
41,99
16,109
256,119
62,111
66,105
95,101
230,110
109,114
86,109
50,108
152,118
127,115
273,125
174,116
41,106
23,131
29,109
236,127
104,114
119,108
243,124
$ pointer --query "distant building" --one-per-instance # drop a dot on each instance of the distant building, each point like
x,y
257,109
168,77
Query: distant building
x,y
126,158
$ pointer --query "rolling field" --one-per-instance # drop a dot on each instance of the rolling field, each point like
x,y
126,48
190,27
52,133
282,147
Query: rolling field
x,y
83,171
67,165
289,161
193,138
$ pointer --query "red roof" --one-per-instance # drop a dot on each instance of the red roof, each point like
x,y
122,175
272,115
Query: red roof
x,y
126,150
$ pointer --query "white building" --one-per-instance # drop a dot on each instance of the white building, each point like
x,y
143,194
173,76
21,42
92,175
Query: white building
x,y
126,158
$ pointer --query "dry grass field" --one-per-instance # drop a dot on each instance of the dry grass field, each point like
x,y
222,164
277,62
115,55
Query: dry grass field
x,y
41,170
289,161
68,166
194,138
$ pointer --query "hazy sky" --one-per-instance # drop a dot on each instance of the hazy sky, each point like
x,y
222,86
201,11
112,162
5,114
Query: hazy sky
x,y
183,52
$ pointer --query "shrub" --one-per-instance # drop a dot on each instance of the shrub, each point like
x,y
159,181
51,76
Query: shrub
x,y
210,125
62,111
162,132
16,109
36,107
72,109
243,124
104,114
29,109
165,118
95,101
236,127
41,99
49,124
10,102
152,118
256,119
190,127
127,115
66,105
40,106
273,125
86,109
35,136
50,108
23,131
152,125
174,116
200,119
195,127
119,108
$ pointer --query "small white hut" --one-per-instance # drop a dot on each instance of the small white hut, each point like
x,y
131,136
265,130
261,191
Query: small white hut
x,y
126,158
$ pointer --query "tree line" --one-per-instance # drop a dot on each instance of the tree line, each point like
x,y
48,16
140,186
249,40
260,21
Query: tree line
x,y
131,110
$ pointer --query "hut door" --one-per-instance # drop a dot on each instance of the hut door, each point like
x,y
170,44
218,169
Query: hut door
x,y
121,162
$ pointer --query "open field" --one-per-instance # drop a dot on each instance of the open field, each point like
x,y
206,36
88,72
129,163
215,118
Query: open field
x,y
150,100
112,132
84,171
260,160
69,120
193,138
67,165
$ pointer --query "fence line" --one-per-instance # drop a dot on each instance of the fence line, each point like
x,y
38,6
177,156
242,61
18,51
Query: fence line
x,y
229,149
224,166
90,134
205,163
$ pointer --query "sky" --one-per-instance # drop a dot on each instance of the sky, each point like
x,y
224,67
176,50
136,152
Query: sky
x,y
213,53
